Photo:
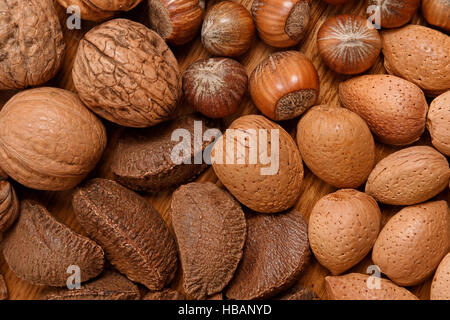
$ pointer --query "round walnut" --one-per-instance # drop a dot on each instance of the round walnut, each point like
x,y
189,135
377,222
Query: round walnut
x,y
48,139
127,74
31,43
98,10
9,205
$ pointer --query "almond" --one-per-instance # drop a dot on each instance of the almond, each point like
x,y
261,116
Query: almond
x,y
413,242
355,286
420,55
409,176
343,227
337,145
266,188
394,109
440,287
438,123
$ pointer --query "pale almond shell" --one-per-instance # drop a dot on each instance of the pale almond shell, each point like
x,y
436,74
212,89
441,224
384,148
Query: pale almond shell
x,y
440,287
438,123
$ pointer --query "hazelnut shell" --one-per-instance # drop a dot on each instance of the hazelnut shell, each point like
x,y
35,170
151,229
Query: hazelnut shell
x,y
437,13
395,13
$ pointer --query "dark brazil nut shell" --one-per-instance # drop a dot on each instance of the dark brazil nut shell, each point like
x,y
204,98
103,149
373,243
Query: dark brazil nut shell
x,y
110,286
142,157
276,252
39,249
126,73
135,238
166,294
3,289
210,229
9,205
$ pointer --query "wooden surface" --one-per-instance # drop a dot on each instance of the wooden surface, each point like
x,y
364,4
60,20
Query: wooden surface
x,y
59,203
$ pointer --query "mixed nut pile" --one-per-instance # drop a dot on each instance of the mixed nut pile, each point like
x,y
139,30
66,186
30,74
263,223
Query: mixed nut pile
x,y
243,240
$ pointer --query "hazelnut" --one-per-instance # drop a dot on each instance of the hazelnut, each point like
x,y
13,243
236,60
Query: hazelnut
x,y
281,23
29,55
87,10
9,205
48,139
126,73
176,21
394,13
215,87
348,45
228,29
284,85
437,13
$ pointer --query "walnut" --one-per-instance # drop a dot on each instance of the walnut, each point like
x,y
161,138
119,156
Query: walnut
x,y
127,74
9,205
31,43
98,10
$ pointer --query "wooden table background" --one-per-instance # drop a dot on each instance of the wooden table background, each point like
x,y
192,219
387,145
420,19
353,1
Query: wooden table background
x,y
59,203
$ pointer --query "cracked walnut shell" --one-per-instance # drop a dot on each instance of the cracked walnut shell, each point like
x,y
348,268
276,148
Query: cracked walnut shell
x,y
127,74
9,205
31,43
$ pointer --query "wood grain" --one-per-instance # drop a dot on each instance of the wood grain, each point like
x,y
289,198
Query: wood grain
x,y
59,203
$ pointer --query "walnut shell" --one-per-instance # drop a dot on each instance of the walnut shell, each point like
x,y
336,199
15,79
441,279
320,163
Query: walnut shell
x,y
32,45
110,286
394,109
210,229
343,227
438,123
409,176
125,73
420,55
336,145
440,287
48,139
88,11
267,188
39,249
413,242
353,286
114,5
135,238
9,205
275,254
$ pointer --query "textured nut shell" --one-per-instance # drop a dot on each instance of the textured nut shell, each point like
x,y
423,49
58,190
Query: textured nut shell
x,y
110,286
298,292
353,286
9,206
228,29
262,193
210,229
409,176
420,55
437,13
3,289
336,145
166,294
114,5
413,242
438,123
87,10
343,227
216,86
30,55
271,19
440,287
142,157
394,109
48,139
135,238
125,73
276,252
395,13
279,75
348,45
39,249
175,21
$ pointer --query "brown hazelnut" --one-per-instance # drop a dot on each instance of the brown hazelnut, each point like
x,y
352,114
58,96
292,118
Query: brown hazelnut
x,y
393,13
9,205
215,87
281,23
29,55
348,45
87,10
176,21
284,85
437,13
126,73
228,29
